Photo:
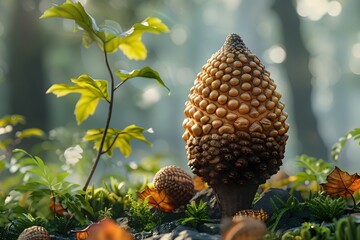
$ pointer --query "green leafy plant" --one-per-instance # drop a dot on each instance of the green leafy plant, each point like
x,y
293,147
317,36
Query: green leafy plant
x,y
338,147
109,40
140,216
291,204
347,228
314,170
308,231
195,214
42,185
101,200
9,140
326,208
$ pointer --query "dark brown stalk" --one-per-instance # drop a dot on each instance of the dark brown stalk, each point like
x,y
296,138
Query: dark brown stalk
x,y
107,124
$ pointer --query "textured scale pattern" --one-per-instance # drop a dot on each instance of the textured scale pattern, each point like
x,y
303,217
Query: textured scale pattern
x,y
176,183
235,127
257,214
34,233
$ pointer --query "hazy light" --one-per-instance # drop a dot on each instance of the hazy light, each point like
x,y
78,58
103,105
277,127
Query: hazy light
x,y
354,66
185,75
277,54
355,50
178,34
316,9
6,129
210,15
232,5
334,8
150,96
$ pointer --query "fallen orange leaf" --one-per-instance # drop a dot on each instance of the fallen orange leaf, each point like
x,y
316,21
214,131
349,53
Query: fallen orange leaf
x,y
105,229
199,184
340,183
158,199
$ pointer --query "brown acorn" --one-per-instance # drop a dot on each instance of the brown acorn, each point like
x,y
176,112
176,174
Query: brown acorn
x,y
176,183
34,233
235,130
245,228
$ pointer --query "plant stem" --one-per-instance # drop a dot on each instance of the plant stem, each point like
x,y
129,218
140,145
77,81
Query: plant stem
x,y
107,124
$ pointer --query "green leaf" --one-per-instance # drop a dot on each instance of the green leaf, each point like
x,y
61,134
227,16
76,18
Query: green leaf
x,y
116,138
146,72
107,37
313,169
130,42
338,147
30,132
2,165
76,12
12,120
91,92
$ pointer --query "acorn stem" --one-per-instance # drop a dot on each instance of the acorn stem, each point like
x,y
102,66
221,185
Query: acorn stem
x,y
233,197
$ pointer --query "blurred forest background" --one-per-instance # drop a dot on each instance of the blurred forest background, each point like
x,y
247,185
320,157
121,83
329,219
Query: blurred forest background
x,y
311,48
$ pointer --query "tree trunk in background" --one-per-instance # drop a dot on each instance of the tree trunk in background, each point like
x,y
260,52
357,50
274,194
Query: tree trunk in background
x,y
296,65
25,75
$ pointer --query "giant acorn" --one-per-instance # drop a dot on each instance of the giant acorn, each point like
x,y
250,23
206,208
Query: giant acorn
x,y
235,129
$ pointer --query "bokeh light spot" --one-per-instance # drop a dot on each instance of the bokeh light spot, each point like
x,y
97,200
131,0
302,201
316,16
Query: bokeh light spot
x,y
277,54
178,34
334,8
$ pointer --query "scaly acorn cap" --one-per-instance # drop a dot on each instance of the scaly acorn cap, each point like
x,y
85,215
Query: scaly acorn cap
x,y
257,214
34,233
176,183
235,128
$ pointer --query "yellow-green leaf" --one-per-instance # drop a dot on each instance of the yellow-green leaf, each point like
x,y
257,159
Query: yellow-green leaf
x,y
130,42
91,92
30,132
145,72
75,11
12,120
108,37
116,138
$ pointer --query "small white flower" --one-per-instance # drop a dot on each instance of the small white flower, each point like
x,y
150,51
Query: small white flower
x,y
150,130
73,155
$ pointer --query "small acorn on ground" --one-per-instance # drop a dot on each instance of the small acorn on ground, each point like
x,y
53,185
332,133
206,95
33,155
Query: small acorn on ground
x,y
235,129
245,228
176,183
34,233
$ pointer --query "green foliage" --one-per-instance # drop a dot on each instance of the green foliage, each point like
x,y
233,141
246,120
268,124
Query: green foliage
x,y
292,204
116,138
347,228
343,229
195,214
108,38
338,147
7,143
145,72
326,208
91,92
43,184
314,170
105,202
140,216
308,231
